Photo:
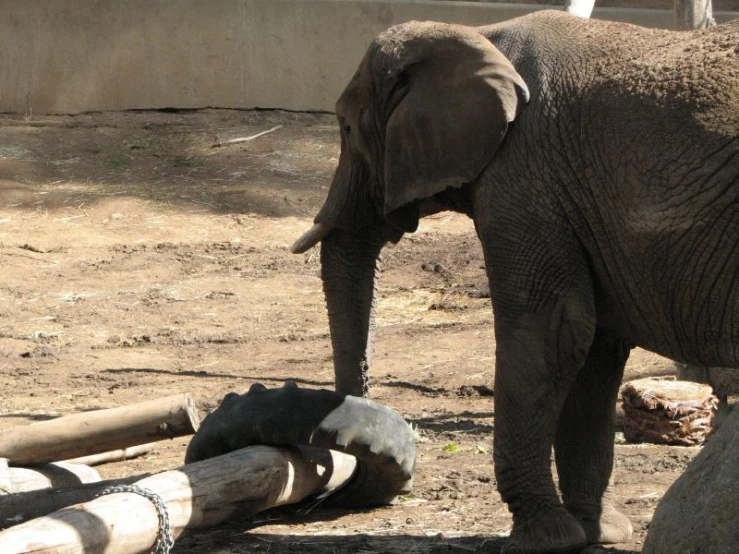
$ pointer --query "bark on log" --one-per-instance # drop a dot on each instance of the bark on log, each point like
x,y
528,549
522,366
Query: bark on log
x,y
61,474
24,506
668,412
693,14
202,494
99,431
114,455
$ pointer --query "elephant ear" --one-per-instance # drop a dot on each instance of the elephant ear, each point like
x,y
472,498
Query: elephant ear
x,y
452,95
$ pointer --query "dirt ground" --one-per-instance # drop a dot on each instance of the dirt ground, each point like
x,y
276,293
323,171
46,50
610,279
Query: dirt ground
x,y
138,261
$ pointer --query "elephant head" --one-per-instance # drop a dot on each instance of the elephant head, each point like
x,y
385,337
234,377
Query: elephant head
x,y
423,115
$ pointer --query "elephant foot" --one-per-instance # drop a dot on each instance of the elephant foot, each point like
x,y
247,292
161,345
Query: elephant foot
x,y
551,531
607,526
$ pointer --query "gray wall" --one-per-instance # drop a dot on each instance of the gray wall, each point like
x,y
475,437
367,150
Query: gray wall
x,y
69,56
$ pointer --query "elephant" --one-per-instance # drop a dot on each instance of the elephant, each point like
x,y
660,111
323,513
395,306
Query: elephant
x,y
599,162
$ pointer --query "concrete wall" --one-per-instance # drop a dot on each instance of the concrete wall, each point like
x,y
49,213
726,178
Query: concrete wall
x,y
69,56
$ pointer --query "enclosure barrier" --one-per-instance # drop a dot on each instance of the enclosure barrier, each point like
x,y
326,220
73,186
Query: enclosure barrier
x,y
71,56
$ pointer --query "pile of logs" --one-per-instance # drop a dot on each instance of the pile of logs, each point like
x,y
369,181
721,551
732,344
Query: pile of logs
x,y
69,517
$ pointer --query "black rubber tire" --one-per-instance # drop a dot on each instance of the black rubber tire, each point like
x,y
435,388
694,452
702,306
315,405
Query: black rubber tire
x,y
378,437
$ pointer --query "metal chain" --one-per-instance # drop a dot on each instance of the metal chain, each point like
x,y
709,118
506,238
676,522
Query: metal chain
x,y
165,540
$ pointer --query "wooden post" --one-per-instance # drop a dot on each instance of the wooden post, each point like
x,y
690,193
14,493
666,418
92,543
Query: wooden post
x,y
580,8
693,14
99,431
196,495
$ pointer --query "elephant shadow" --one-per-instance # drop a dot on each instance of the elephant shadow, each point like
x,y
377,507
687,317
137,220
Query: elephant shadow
x,y
236,537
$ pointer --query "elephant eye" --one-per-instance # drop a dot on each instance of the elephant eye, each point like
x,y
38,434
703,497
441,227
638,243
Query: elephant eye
x,y
347,128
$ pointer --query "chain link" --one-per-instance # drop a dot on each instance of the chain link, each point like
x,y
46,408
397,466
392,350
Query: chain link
x,y
165,540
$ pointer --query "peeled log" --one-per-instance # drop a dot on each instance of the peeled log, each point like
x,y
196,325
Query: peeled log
x,y
114,455
668,412
99,431
24,506
22,479
196,495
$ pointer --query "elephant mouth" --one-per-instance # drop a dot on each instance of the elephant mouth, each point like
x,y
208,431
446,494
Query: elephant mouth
x,y
311,237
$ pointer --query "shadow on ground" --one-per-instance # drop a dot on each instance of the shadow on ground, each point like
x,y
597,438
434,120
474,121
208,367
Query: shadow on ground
x,y
54,163
235,541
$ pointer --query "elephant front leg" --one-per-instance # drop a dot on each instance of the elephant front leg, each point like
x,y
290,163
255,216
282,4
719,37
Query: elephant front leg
x,y
584,442
537,359
544,304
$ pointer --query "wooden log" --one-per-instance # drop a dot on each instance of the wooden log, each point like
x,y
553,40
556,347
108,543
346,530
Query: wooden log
x,y
668,412
24,506
196,495
114,455
99,431
693,14
61,474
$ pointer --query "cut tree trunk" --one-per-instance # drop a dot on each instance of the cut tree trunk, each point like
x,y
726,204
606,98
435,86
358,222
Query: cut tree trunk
x,y
99,431
668,412
197,495
61,474
114,455
23,506
693,14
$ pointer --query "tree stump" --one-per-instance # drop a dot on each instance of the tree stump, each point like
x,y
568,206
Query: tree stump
x,y
668,412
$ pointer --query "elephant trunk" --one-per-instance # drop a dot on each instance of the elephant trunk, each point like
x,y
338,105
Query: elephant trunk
x,y
349,267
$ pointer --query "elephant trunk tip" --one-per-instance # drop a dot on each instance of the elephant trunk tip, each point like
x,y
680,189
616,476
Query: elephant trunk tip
x,y
310,238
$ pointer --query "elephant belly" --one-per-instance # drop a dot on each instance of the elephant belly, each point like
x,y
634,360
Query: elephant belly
x,y
687,311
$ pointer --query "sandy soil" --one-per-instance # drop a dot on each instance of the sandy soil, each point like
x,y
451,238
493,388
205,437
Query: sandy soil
x,y
138,261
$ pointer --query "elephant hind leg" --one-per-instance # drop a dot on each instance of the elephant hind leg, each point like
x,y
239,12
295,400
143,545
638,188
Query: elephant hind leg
x,y
584,441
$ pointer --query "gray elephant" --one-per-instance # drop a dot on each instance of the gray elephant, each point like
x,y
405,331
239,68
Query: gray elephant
x,y
600,164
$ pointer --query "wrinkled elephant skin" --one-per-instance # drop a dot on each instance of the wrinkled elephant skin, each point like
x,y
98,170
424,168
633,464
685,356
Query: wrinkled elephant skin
x,y
600,164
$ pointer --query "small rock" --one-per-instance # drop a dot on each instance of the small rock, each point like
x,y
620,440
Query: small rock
x,y
433,267
698,512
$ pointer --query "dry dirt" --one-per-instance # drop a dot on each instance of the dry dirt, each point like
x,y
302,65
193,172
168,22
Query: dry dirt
x,y
138,261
